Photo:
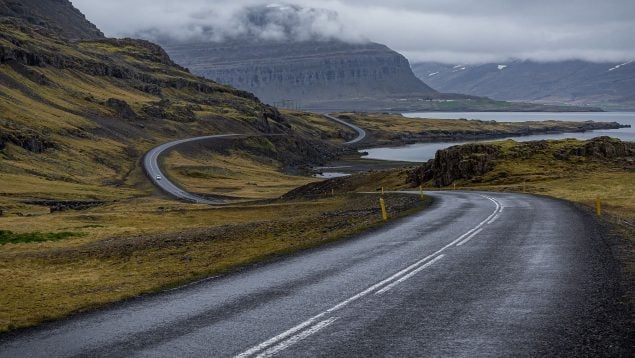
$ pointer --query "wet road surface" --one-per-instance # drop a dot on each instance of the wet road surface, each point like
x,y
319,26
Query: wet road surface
x,y
476,274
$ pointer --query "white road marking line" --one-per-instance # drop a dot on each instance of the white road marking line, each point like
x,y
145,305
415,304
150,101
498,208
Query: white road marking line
x,y
276,339
293,330
482,222
338,306
430,263
297,338
494,218
469,237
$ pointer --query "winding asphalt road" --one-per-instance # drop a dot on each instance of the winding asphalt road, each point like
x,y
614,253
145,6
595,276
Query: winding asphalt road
x,y
361,133
476,274
159,179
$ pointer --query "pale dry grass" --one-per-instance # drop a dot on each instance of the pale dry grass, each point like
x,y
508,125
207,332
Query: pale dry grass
x,y
136,247
235,175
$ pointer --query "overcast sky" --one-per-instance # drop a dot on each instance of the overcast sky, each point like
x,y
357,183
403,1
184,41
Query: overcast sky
x,y
452,31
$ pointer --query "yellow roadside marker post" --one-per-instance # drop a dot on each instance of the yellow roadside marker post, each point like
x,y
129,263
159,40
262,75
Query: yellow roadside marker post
x,y
384,214
421,191
598,206
382,190
454,184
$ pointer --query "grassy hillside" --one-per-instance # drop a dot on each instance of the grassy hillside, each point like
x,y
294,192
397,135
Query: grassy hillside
x,y
76,117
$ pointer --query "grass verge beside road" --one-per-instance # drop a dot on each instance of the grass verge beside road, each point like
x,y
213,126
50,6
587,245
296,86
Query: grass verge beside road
x,y
145,246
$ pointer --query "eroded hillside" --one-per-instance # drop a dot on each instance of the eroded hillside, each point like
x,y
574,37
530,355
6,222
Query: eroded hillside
x,y
76,117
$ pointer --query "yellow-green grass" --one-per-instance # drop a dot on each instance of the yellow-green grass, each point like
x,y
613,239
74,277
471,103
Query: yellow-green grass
x,y
140,246
614,187
237,175
317,126
579,179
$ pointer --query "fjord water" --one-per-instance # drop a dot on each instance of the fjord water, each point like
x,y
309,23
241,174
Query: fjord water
x,y
421,152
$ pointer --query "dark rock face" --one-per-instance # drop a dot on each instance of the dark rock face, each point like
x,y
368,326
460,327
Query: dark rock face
x,y
31,141
58,16
122,108
303,72
572,82
24,54
601,148
458,162
63,205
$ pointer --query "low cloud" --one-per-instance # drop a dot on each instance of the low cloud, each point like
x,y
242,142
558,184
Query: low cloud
x,y
452,31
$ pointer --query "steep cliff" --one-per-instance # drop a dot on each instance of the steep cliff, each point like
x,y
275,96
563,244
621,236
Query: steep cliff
x,y
305,73
59,16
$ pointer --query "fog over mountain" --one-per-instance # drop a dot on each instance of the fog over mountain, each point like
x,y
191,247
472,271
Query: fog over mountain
x,y
448,31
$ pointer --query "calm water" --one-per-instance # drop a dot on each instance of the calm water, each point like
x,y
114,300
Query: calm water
x,y
421,152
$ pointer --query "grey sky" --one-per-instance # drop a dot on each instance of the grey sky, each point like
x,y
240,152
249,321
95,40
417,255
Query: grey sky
x,y
453,31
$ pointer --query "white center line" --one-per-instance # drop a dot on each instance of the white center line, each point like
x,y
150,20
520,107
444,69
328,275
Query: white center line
x,y
397,276
430,263
477,227
469,237
297,338
277,338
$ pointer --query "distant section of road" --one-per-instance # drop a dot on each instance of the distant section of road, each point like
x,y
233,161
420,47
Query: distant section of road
x,y
474,275
152,168
158,178
361,134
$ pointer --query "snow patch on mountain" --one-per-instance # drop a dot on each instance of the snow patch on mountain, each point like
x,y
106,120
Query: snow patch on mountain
x,y
620,65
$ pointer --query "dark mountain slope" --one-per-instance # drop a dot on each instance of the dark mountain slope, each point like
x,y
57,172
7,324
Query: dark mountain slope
x,y
59,16
305,72
610,85
328,75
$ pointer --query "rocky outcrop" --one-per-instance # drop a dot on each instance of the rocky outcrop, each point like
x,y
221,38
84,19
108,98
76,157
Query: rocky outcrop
x,y
299,73
601,148
29,140
121,108
471,161
142,75
63,205
458,162
58,16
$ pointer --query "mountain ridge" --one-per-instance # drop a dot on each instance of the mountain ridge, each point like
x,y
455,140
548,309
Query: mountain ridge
x,y
59,16
307,72
610,85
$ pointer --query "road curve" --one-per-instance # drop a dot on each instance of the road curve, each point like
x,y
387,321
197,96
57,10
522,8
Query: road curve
x,y
476,274
361,133
159,179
